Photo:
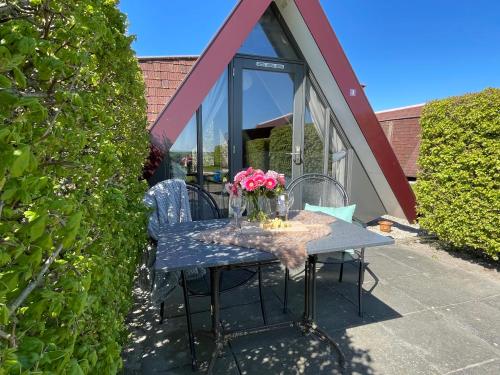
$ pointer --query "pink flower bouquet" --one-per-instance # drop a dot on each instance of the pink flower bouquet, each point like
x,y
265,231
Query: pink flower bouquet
x,y
256,185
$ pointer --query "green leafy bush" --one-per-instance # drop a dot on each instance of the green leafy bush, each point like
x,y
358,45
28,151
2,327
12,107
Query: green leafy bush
x,y
280,146
458,189
72,145
257,153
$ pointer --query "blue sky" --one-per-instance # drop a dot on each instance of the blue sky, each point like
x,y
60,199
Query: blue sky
x,y
406,52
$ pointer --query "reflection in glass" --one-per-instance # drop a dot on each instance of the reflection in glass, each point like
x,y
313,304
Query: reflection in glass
x,y
182,156
268,39
215,141
267,120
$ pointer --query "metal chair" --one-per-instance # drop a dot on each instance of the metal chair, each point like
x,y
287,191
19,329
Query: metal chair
x,y
204,207
321,190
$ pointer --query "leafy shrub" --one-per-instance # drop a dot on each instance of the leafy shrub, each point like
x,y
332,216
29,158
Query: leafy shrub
x,y
313,150
280,146
257,153
458,189
72,145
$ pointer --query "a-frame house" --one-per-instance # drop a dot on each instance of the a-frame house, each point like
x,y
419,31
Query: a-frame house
x,y
274,89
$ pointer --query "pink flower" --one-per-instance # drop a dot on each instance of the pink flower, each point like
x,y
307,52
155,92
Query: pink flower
x,y
259,178
270,183
281,179
250,184
232,189
249,171
239,176
272,174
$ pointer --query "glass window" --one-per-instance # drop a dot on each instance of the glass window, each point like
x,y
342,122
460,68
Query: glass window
x,y
182,156
216,141
315,131
337,156
268,39
267,115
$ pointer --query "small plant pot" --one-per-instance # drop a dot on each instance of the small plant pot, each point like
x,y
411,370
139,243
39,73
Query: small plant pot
x,y
385,226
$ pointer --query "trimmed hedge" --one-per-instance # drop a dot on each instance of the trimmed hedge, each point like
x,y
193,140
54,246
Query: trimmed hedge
x,y
257,153
72,145
458,189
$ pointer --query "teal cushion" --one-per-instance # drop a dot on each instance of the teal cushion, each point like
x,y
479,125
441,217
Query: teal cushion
x,y
343,213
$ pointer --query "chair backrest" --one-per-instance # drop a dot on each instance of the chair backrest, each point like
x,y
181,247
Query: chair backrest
x,y
203,205
318,190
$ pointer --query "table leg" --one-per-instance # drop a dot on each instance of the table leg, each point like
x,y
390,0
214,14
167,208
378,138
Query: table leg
x,y
309,324
215,311
361,278
306,291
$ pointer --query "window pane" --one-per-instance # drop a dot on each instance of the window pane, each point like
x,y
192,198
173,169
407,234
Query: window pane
x,y
215,141
182,156
267,120
314,131
337,156
268,39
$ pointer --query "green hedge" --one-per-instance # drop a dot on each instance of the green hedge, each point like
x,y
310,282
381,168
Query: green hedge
x,y
257,153
72,145
458,189
280,146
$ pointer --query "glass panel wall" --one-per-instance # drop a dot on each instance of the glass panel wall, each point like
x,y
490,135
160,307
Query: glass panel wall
x,y
267,117
215,141
182,156
268,39
315,131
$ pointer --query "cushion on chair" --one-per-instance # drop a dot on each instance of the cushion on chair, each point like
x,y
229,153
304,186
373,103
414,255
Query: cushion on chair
x,y
343,213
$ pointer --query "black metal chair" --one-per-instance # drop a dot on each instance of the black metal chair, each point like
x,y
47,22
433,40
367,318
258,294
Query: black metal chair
x,y
204,207
321,190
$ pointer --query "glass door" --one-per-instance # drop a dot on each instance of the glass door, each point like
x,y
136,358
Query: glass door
x,y
268,113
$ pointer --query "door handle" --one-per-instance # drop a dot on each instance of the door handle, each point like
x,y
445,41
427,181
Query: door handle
x,y
297,155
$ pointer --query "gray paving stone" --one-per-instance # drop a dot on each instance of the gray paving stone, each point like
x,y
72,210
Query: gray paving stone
x,y
370,350
440,341
491,367
284,352
477,318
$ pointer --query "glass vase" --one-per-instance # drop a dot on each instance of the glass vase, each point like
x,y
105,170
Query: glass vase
x,y
259,208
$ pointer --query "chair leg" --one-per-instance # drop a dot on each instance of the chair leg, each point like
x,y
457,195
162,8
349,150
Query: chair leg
x,y
341,273
187,307
162,311
261,296
285,298
361,277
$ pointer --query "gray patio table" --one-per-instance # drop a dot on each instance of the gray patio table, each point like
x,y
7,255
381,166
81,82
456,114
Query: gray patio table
x,y
178,250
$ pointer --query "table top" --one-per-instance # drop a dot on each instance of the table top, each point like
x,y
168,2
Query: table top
x,y
177,249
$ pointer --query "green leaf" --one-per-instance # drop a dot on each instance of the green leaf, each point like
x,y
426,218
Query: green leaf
x,y
7,99
21,161
4,314
38,227
75,368
26,45
5,83
19,77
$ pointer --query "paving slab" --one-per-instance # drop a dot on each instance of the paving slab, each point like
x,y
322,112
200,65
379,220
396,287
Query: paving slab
x,y
286,351
370,350
441,341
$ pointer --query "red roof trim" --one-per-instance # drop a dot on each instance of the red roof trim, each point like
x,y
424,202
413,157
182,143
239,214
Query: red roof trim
x,y
322,32
224,46
207,69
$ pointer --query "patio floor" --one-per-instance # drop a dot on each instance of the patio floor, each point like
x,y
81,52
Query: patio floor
x,y
425,315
